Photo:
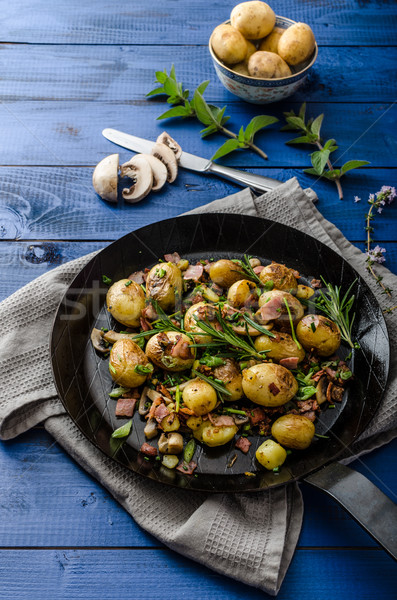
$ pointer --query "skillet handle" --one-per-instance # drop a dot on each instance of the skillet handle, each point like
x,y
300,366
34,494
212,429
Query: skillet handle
x,y
370,507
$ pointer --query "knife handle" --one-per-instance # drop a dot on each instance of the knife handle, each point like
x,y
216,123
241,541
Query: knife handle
x,y
256,182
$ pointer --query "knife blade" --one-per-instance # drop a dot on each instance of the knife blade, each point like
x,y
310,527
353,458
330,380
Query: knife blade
x,y
191,162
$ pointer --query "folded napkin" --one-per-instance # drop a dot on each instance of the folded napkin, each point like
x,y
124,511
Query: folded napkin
x,y
249,537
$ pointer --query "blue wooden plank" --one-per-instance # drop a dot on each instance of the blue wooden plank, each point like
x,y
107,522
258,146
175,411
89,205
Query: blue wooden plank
x,y
125,74
60,203
345,22
93,574
69,133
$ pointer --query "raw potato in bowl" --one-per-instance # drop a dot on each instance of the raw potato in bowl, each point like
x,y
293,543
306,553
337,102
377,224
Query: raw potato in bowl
x,y
296,44
267,65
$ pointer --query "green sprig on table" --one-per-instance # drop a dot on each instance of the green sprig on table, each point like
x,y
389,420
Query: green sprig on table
x,y
320,159
209,115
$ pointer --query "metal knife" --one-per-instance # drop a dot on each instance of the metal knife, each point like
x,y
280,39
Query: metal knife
x,y
195,163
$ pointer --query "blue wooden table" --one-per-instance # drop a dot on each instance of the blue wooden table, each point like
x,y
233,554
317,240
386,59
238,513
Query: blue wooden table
x,y
69,69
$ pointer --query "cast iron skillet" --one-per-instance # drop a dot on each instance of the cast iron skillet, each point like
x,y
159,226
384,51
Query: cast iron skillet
x,y
83,381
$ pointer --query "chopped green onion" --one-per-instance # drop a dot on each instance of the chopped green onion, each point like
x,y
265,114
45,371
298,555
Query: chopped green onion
x,y
234,411
117,392
276,470
160,273
325,437
177,398
212,361
113,370
106,280
123,431
344,375
127,283
143,369
189,451
313,327
331,405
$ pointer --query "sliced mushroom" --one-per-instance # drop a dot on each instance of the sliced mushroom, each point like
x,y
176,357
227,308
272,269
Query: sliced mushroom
x,y
138,169
97,341
113,337
159,171
105,177
165,138
153,394
150,430
143,408
240,419
167,157
321,390
163,444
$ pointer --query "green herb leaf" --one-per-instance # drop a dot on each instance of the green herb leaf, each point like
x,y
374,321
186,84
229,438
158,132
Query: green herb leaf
x,y
330,145
212,361
176,111
304,139
319,160
226,148
316,125
123,431
256,124
353,164
296,122
203,111
208,130
156,92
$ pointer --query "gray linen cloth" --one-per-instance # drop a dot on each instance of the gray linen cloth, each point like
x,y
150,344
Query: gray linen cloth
x,y
249,537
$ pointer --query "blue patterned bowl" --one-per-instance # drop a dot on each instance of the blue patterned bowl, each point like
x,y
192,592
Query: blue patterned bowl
x,y
263,91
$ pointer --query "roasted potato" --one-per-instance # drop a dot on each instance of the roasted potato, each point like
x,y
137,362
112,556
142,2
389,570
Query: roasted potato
x,y
170,350
296,44
281,276
269,384
270,455
228,44
199,396
164,284
273,308
213,435
270,43
225,272
125,301
231,376
281,346
125,359
304,292
267,65
239,292
293,431
201,311
253,19
319,333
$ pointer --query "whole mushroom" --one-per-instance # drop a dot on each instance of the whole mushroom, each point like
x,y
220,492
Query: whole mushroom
x,y
105,177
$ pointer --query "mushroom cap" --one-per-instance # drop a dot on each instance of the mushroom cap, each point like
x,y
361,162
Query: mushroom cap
x,y
139,169
105,177
166,155
165,138
159,170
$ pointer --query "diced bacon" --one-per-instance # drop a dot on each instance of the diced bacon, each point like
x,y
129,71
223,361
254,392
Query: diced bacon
x,y
145,325
318,375
243,444
258,269
187,411
289,363
315,283
197,298
193,272
172,258
149,313
125,407
330,372
270,310
181,349
329,391
148,450
155,404
296,274
161,412
163,390
187,468
256,415
274,389
311,415
138,277
223,421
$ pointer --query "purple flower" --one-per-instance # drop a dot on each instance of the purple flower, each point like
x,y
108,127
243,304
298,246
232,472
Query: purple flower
x,y
386,193
376,255
357,199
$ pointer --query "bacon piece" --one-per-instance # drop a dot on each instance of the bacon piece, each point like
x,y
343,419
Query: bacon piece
x,y
318,375
270,310
161,412
193,272
145,325
172,258
329,391
258,269
138,277
187,468
152,410
296,273
315,283
222,421
148,450
330,372
181,349
256,415
243,444
125,407
274,389
187,411
290,362
163,390
149,313
311,415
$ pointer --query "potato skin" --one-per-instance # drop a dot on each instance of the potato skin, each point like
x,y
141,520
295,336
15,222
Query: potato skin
x,y
161,356
199,396
281,276
164,284
283,346
304,291
320,333
125,355
228,44
225,272
231,376
125,302
270,455
253,19
296,44
270,43
239,292
190,324
258,382
213,435
267,65
293,431
295,307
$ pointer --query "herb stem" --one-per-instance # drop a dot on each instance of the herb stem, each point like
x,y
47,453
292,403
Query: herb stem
x,y
331,168
248,144
369,266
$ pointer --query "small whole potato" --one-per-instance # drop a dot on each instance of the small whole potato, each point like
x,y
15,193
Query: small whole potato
x,y
267,65
213,435
170,350
228,44
164,284
270,455
199,396
273,308
304,292
270,43
241,68
202,312
269,384
239,292
225,272
125,301
282,346
319,333
253,19
281,276
125,356
293,431
231,376
296,44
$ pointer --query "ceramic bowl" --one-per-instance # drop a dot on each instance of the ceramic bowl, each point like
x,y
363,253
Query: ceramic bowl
x,y
263,91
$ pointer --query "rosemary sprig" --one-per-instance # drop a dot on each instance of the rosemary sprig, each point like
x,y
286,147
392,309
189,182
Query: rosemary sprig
x,y
247,268
338,309
217,386
258,327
